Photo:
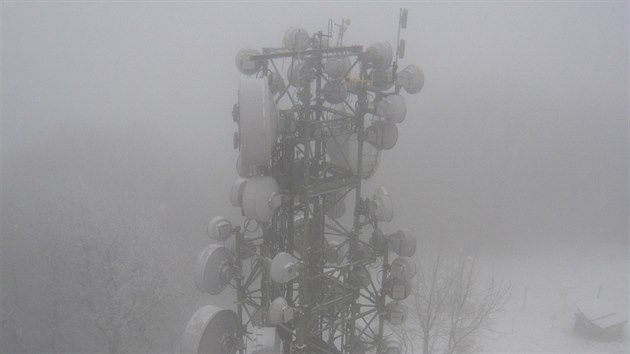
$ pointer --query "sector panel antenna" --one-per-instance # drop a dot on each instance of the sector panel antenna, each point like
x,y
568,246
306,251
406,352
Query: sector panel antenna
x,y
258,117
244,170
381,79
214,269
258,198
236,192
211,330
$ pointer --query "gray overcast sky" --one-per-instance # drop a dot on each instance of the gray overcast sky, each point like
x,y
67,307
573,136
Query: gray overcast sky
x,y
521,130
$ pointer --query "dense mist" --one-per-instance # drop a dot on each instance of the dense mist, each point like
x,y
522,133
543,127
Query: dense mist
x,y
116,121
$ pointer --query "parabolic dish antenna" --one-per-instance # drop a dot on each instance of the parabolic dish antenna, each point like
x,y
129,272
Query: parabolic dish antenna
x,y
380,55
392,107
389,345
257,122
411,79
283,268
343,151
219,228
383,134
397,289
384,210
214,269
245,64
279,311
260,197
403,268
296,38
360,277
403,243
335,91
211,330
395,312
337,68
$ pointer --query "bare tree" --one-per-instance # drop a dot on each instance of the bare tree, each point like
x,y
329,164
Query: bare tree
x,y
119,290
471,309
452,308
430,296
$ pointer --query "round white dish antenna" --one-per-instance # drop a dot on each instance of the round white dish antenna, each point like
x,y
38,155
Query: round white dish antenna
x,y
236,192
300,73
392,107
244,62
403,268
337,68
383,134
296,38
381,191
383,208
343,151
284,268
335,91
260,197
211,330
280,311
380,55
257,122
395,312
411,79
214,269
219,228
403,243
397,289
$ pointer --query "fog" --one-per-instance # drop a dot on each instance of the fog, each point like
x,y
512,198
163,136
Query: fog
x,y
116,120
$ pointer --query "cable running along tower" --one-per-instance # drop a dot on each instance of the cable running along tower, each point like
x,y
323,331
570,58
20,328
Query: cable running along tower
x,y
311,270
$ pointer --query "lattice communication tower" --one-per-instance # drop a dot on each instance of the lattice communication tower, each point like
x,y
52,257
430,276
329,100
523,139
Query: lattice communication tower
x,y
308,276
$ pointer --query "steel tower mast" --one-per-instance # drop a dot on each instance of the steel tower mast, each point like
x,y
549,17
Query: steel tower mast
x,y
309,277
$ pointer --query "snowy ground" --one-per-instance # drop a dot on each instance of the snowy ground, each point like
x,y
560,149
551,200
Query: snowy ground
x,y
557,280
